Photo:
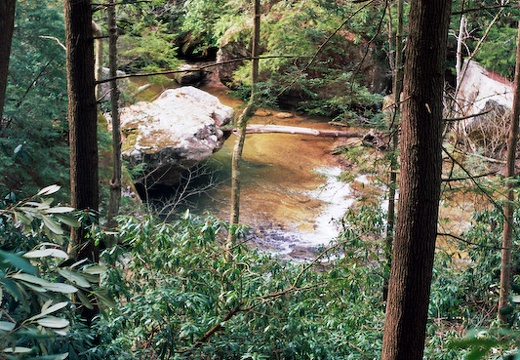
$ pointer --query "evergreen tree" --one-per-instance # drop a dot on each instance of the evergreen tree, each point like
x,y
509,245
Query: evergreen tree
x,y
420,181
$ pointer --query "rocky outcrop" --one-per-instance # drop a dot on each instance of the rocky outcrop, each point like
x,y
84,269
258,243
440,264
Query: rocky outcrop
x,y
486,93
191,75
172,134
231,49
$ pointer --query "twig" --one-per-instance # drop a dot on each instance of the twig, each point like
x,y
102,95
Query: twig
x,y
466,117
367,49
482,8
472,178
469,178
469,242
55,39
44,68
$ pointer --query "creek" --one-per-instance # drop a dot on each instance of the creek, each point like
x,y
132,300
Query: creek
x,y
290,193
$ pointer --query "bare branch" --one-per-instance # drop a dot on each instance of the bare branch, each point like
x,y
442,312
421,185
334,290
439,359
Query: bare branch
x,y
481,8
55,39
97,7
458,238
466,117
469,178
167,72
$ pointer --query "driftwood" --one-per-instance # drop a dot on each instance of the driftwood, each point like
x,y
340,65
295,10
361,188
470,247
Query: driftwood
x,y
376,140
281,129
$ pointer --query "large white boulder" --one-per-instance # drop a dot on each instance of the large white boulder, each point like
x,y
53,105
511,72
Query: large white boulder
x,y
173,133
483,91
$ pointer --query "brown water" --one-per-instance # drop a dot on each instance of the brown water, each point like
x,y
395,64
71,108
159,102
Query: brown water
x,y
289,192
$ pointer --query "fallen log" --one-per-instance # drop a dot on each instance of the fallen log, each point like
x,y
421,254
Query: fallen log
x,y
282,129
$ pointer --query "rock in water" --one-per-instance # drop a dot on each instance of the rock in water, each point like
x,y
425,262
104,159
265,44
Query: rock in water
x,y
172,134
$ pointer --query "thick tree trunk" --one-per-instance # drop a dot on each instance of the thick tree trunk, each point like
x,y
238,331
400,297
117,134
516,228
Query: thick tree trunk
x,y
420,180
241,133
115,182
7,11
82,115
509,207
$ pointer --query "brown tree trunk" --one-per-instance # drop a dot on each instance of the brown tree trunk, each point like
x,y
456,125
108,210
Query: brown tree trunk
x,y
397,88
241,134
420,180
509,207
7,12
82,115
115,182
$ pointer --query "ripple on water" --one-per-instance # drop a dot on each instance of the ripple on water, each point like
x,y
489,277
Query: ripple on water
x,y
301,240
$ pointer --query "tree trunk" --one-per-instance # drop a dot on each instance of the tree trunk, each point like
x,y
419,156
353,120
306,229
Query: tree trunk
x,y
98,65
115,182
82,116
397,88
420,180
509,207
7,11
241,134
460,41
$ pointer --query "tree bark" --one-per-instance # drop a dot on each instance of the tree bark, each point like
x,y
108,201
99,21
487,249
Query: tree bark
x,y
241,134
420,180
509,207
82,116
115,182
397,88
7,11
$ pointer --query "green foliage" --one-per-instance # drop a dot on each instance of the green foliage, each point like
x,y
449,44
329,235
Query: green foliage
x,y
152,50
328,82
186,299
33,133
148,33
498,53
482,276
36,281
464,295
201,18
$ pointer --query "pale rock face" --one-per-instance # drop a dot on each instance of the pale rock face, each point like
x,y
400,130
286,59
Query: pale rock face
x,y
480,91
479,86
173,133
